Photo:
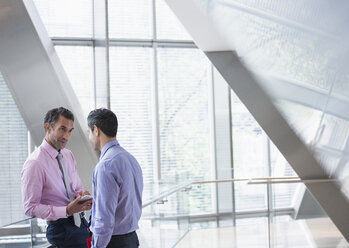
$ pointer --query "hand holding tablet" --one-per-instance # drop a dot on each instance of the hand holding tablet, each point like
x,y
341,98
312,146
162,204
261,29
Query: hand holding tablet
x,y
85,198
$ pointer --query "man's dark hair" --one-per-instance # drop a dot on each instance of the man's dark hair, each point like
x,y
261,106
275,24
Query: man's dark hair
x,y
105,120
52,115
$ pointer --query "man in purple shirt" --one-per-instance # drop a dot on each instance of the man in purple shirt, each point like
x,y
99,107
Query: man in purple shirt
x,y
45,175
117,185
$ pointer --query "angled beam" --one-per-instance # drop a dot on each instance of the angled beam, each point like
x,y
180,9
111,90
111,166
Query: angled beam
x,y
36,78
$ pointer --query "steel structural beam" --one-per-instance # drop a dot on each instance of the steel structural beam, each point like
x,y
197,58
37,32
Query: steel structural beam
x,y
208,38
37,80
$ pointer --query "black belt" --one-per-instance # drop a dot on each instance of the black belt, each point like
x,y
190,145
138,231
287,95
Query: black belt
x,y
128,238
123,235
63,220
60,221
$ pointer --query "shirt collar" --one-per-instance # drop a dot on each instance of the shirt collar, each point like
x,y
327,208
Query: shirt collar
x,y
107,146
49,149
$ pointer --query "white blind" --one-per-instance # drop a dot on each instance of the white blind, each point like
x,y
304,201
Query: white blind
x,y
168,25
184,122
13,153
66,18
130,98
130,19
78,64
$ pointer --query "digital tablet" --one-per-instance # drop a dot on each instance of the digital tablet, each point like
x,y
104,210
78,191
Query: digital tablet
x,y
85,198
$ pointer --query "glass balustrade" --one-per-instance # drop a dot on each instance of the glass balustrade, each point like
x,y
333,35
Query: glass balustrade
x,y
23,234
172,218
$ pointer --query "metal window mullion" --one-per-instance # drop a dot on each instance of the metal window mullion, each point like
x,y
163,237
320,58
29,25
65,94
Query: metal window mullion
x,y
94,56
150,43
155,118
155,100
72,42
94,77
213,136
270,189
269,194
232,155
66,41
107,53
154,19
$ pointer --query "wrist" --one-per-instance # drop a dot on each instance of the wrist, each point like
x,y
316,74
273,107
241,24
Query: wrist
x,y
67,212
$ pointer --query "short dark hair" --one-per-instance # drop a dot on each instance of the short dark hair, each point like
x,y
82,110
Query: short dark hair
x,y
52,115
105,120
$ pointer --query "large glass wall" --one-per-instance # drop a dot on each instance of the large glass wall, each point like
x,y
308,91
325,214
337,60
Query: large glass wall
x,y
156,75
159,85
80,72
130,99
183,77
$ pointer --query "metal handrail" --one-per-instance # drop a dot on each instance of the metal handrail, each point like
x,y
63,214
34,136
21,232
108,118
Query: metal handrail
x,y
256,180
16,222
166,194
270,180
293,181
243,179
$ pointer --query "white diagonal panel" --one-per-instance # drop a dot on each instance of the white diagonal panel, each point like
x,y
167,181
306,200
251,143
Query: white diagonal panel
x,y
37,80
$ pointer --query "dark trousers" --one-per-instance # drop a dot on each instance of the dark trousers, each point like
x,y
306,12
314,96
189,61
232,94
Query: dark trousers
x,y
128,240
64,234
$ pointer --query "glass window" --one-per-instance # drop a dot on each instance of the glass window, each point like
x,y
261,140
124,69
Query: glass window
x,y
283,194
130,99
250,153
168,25
13,153
78,64
130,19
250,157
65,18
183,76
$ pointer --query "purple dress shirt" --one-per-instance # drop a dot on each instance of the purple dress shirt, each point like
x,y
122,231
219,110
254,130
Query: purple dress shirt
x,y
117,185
43,191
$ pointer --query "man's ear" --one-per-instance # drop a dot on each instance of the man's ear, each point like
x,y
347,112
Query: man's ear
x,y
47,127
96,130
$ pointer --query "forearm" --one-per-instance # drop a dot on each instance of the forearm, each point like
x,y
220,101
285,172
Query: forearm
x,y
46,212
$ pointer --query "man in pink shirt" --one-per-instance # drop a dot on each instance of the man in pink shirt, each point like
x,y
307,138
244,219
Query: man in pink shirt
x,y
45,175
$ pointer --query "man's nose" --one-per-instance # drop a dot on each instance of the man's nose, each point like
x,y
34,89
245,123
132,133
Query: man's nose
x,y
67,135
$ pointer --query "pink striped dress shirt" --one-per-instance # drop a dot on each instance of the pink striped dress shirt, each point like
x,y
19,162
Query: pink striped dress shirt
x,y
43,192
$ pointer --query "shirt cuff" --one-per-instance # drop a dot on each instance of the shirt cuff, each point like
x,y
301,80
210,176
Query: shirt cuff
x,y
60,212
